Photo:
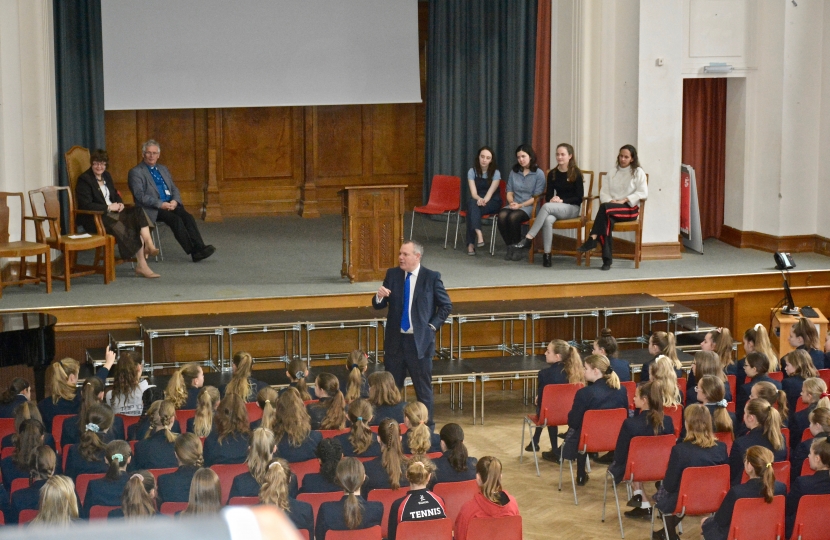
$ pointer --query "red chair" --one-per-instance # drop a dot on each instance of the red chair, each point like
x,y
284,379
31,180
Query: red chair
x,y
158,472
731,407
455,495
386,497
430,529
630,389
401,427
226,474
101,512
316,499
702,490
800,405
733,386
243,501
304,534
825,376
6,427
82,482
781,470
755,518
648,459
676,414
6,452
17,484
254,412
725,437
331,433
806,470
503,528
26,516
776,375
129,421
444,199
132,446
302,468
310,401
786,433
807,435
681,385
463,214
57,429
170,508
600,430
65,455
557,400
183,415
812,521
372,533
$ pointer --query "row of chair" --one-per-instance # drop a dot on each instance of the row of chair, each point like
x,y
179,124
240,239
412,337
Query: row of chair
x,y
445,199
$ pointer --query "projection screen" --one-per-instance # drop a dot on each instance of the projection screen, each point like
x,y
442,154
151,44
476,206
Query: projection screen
x,y
176,54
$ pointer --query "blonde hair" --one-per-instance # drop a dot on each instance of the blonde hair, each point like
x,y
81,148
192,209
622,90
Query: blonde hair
x,y
708,363
205,494
714,390
419,436
571,361
601,363
298,371
489,470
769,419
162,414
817,389
383,390
391,456
356,363
722,339
59,385
802,363
419,469
181,380
274,486
206,402
761,459
804,329
240,385
821,416
260,452
136,499
267,401
360,414
699,426
188,448
293,418
666,343
758,336
57,504
772,395
662,373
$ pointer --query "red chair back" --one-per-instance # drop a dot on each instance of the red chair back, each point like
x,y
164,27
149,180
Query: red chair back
x,y
754,518
455,495
6,452
812,521
132,446
26,516
183,415
65,454
170,508
254,412
503,528
304,534
600,429
781,470
444,195
243,501
800,405
101,512
806,470
331,433
675,412
648,458
731,407
82,482
372,533
386,497
158,472
681,385
17,484
57,429
226,474
725,437
316,499
401,427
630,389
825,376
302,468
733,386
6,427
776,375
129,421
806,435
430,529
557,400
702,490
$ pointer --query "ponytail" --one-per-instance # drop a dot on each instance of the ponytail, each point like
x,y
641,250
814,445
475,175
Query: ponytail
x,y
298,370
769,419
653,394
419,436
260,452
206,401
180,382
760,459
419,469
758,336
188,450
714,390
350,475
392,457
571,361
356,364
42,464
597,361
240,385
97,420
360,414
267,401
294,420
274,484
489,470
768,392
117,453
28,441
61,388
91,389
18,385
665,341
136,501
453,437
161,413
817,389
335,406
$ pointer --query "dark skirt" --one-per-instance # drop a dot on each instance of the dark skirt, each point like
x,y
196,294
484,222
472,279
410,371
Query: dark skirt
x,y
126,227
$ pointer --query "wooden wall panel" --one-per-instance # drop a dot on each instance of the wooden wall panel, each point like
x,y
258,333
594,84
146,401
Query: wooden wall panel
x,y
338,141
394,141
257,143
123,151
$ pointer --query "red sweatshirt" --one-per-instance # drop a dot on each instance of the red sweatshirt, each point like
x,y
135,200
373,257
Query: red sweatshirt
x,y
480,506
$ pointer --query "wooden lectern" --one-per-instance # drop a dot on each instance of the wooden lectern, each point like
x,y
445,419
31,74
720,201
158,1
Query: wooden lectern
x,y
372,230
782,323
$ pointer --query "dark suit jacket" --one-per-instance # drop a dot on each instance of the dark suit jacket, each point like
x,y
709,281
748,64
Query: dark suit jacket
x,y
431,305
144,189
89,197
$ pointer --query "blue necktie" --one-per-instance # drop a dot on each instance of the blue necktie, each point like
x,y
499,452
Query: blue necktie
x,y
405,324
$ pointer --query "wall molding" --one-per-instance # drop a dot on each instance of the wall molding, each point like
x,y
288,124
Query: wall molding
x,y
766,242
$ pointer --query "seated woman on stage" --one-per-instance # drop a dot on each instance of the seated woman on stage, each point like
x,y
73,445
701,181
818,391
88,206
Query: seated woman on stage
x,y
385,397
799,367
762,482
706,363
228,442
491,499
756,339
184,385
483,179
565,189
620,198
329,411
816,484
804,336
360,441
606,345
764,424
130,226
565,368
455,465
175,486
719,341
294,438
352,511
814,395
525,182
819,422
19,391
329,453
276,490
205,494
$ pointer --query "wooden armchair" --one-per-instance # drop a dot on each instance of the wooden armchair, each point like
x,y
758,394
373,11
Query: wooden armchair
x,y
635,226
21,248
576,224
46,210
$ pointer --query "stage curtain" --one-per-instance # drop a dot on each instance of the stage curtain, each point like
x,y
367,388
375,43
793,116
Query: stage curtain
x,y
480,83
541,100
704,146
79,76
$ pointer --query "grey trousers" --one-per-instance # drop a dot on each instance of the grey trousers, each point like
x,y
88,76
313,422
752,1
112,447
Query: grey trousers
x,y
547,216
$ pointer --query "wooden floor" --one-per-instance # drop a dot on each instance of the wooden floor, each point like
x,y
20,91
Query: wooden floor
x,y
547,513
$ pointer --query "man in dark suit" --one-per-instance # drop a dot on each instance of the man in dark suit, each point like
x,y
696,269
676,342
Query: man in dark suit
x,y
418,306
153,189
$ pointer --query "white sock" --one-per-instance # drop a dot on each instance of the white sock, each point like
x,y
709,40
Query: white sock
x,y
645,504
637,492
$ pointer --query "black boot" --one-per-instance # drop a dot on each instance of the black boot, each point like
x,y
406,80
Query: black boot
x,y
606,264
546,260
509,255
589,245
524,243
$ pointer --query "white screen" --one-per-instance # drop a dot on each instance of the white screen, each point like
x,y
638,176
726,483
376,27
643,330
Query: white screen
x,y
179,54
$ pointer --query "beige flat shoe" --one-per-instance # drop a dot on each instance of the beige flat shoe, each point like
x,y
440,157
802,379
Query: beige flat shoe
x,y
151,275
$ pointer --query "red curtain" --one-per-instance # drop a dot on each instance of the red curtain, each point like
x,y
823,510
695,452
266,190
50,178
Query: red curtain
x,y
541,94
704,146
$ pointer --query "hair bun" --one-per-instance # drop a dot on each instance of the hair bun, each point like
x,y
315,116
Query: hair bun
x,y
606,332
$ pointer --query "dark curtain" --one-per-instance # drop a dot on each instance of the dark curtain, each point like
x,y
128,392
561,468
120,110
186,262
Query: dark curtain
x,y
79,77
704,146
541,102
480,83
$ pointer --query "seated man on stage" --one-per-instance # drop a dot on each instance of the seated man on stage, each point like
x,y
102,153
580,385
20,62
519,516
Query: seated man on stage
x,y
153,189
